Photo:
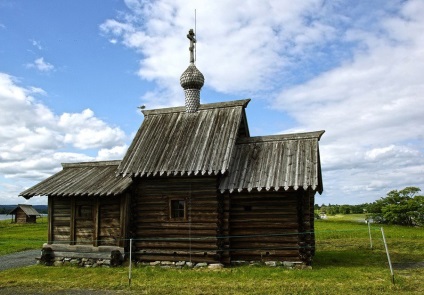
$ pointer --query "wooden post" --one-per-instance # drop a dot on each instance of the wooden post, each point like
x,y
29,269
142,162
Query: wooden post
x,y
50,220
72,225
96,222
130,264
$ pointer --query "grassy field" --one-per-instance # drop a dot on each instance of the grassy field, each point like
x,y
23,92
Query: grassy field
x,y
19,237
344,263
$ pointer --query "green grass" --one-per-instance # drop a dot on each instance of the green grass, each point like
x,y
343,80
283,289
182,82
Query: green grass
x,y
344,263
19,237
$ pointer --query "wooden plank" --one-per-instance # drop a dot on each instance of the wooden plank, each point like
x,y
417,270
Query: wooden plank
x,y
72,222
166,246
50,211
193,257
92,255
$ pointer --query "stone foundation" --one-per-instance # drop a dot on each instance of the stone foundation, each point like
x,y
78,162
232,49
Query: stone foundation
x,y
187,264
82,262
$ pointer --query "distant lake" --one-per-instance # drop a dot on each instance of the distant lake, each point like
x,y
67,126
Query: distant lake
x,y
5,217
9,217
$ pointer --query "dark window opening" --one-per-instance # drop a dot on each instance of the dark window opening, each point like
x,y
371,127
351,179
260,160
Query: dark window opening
x,y
178,209
85,211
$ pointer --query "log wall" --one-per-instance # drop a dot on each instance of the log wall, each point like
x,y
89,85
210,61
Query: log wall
x,y
264,226
159,237
109,233
306,225
59,220
87,221
21,217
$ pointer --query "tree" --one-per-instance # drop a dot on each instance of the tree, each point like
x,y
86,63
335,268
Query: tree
x,y
402,207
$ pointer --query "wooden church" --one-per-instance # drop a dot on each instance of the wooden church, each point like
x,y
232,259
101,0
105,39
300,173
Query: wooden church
x,y
193,186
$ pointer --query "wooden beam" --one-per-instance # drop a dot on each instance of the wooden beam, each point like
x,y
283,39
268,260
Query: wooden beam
x,y
72,235
96,223
50,219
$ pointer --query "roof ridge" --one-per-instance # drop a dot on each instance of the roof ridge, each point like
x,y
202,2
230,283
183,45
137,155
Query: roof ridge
x,y
215,105
291,136
92,164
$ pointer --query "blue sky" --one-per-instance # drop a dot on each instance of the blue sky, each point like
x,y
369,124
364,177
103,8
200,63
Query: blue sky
x,y
72,74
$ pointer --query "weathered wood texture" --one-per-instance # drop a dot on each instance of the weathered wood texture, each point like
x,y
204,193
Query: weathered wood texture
x,y
159,237
277,162
109,232
264,226
171,141
22,217
24,214
60,219
86,221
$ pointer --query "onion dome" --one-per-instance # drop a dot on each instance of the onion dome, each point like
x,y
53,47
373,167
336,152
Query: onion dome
x,y
192,80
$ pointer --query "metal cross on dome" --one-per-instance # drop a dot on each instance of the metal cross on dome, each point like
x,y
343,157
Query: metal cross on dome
x,y
192,38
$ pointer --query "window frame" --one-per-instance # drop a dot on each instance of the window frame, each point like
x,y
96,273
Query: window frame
x,y
81,211
171,209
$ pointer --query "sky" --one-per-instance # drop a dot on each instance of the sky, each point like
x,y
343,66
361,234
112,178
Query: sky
x,y
72,74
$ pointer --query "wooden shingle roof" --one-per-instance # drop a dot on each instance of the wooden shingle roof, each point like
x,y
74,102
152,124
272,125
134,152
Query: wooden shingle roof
x,y
278,162
173,142
82,179
28,210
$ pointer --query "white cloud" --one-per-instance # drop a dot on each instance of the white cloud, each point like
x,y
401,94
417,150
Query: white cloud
x,y
352,68
41,65
371,108
241,52
85,131
37,44
34,140
115,153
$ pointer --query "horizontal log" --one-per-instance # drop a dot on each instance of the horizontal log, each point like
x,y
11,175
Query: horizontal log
x,y
185,252
178,225
262,215
89,255
109,232
83,248
106,241
61,237
275,245
109,222
61,228
236,254
264,239
165,218
198,245
193,258
173,233
268,223
263,232
58,218
64,232
84,223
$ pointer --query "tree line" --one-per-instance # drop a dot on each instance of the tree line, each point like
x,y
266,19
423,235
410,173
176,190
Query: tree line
x,y
402,207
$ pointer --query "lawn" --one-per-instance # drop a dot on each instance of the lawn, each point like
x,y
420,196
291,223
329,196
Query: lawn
x,y
344,263
16,237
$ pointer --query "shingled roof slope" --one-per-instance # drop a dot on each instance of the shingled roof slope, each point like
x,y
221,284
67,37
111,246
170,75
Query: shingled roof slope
x,y
276,162
28,210
82,179
173,142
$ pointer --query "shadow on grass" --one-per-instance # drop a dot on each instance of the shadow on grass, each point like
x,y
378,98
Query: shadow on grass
x,y
348,258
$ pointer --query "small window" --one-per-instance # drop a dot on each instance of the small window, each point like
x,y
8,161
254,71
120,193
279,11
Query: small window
x,y
177,209
85,211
